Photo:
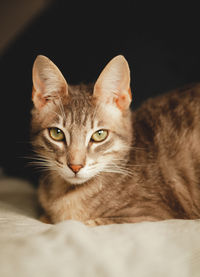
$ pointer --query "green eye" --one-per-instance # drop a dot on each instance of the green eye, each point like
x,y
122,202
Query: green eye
x,y
99,135
56,134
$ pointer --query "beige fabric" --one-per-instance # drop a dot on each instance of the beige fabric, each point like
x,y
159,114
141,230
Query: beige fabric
x,y
30,248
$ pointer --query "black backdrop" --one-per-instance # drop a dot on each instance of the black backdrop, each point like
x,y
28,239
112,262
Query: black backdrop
x,y
160,42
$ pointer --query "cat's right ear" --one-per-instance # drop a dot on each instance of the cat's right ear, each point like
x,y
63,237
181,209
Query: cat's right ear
x,y
48,82
113,84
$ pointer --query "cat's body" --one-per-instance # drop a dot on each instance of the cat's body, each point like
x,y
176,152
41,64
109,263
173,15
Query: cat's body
x,y
146,168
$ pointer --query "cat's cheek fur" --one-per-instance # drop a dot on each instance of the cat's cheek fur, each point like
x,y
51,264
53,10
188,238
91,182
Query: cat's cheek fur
x,y
117,147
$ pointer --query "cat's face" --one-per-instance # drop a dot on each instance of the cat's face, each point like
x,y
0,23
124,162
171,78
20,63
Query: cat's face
x,y
80,132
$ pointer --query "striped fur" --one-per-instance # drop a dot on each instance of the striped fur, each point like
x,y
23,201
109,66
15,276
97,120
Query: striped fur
x,y
147,169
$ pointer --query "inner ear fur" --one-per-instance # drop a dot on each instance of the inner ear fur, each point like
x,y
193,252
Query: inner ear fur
x,y
48,82
113,84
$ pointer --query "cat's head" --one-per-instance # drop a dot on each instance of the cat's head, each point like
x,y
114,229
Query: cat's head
x,y
80,132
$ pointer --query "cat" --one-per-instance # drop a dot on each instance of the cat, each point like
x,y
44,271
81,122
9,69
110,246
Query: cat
x,y
105,164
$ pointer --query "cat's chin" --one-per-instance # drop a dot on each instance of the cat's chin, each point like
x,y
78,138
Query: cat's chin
x,y
77,180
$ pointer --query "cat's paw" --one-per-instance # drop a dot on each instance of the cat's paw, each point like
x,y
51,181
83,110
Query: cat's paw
x,y
96,222
45,219
90,223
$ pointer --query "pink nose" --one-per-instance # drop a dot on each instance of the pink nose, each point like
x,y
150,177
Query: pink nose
x,y
75,167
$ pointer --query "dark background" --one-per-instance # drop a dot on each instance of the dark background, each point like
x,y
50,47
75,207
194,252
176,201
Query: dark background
x,y
160,41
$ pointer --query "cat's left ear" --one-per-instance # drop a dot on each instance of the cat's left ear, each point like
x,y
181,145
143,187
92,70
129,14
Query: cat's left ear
x,y
48,82
113,84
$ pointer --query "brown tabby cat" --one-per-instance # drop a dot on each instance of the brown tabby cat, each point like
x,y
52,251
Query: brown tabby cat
x,y
105,164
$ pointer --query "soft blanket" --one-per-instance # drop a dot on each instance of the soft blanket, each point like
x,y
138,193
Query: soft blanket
x,y
30,248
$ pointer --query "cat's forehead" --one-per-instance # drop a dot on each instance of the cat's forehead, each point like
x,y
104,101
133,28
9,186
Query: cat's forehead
x,y
83,90
80,97
79,108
